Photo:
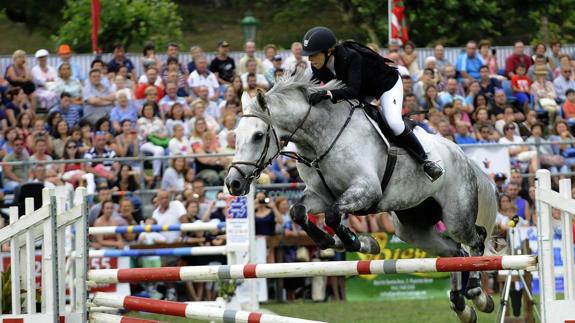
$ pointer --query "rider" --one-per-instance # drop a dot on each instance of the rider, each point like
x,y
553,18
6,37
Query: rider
x,y
364,74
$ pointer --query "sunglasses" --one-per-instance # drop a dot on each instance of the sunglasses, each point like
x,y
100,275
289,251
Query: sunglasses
x,y
72,147
510,128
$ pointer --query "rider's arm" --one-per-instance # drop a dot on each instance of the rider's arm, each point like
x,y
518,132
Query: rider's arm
x,y
352,85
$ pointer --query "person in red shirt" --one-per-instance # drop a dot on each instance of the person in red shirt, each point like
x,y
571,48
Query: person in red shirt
x,y
569,105
521,84
518,57
152,77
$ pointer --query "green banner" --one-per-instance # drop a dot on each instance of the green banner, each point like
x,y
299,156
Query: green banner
x,y
396,286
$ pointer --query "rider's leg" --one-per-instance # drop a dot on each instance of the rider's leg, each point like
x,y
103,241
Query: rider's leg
x,y
391,103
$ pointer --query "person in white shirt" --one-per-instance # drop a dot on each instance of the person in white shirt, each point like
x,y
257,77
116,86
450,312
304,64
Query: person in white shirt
x,y
44,76
203,77
292,61
250,50
168,212
270,51
179,144
261,80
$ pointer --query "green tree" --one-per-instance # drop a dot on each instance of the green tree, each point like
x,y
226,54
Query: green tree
x,y
130,22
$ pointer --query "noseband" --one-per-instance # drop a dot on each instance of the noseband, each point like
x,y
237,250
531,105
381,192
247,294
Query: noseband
x,y
261,163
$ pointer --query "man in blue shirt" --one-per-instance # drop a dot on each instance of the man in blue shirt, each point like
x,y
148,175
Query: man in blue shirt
x,y
71,113
462,135
468,63
120,60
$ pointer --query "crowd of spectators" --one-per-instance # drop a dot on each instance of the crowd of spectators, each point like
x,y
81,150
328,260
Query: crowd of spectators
x,y
61,112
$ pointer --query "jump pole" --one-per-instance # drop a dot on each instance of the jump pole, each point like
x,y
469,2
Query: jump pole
x,y
198,312
179,252
184,227
313,269
109,318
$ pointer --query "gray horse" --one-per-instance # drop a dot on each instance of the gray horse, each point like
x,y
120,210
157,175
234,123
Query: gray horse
x,y
342,162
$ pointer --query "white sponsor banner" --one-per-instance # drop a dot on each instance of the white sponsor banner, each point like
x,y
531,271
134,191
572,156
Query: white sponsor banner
x,y
491,159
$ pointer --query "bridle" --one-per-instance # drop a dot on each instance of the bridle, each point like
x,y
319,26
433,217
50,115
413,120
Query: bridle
x,y
261,163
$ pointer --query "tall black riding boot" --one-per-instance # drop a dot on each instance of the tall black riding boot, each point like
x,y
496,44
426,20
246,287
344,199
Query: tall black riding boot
x,y
409,142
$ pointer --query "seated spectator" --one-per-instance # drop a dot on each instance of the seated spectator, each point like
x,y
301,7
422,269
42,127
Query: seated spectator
x,y
544,94
121,85
440,61
176,116
202,76
409,58
69,111
61,135
210,169
126,143
199,111
49,179
541,65
525,126
98,64
508,117
424,82
497,107
518,57
39,131
51,121
85,142
65,54
489,57
173,179
561,133
468,63
24,124
450,93
173,67
569,105
547,158
103,169
168,212
15,175
15,103
125,109
74,173
120,60
487,83
229,124
40,153
251,68
523,211
487,135
481,119
179,144
450,72
104,126
554,58
563,83
516,152
44,77
474,90
171,98
276,63
105,219
462,134
98,99
430,63
66,84
153,133
223,66
126,180
19,75
128,213
151,80
250,50
230,146
7,141
212,108
195,53
521,84
396,59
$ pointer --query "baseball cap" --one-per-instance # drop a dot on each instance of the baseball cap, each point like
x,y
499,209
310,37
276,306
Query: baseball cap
x,y
223,43
64,49
41,53
277,58
500,177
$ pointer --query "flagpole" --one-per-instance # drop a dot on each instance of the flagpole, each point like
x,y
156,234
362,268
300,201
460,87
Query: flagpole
x,y
388,22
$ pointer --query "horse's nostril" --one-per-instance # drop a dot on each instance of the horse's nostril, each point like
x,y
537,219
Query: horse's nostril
x,y
236,184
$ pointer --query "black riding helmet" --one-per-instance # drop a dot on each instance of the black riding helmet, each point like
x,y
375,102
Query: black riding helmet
x,y
318,39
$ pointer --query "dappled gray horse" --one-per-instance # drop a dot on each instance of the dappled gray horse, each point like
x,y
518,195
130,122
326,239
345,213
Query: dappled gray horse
x,y
342,160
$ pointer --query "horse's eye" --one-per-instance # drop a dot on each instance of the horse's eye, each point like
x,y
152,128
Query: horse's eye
x,y
258,136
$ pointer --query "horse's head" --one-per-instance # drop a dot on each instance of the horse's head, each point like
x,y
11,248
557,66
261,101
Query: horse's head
x,y
257,144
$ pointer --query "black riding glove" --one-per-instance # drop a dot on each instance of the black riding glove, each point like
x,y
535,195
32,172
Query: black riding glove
x,y
318,96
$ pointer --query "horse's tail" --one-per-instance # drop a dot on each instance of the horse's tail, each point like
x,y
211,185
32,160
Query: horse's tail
x,y
487,206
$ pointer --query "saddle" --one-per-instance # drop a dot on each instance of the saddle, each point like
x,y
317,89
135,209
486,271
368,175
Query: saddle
x,y
374,112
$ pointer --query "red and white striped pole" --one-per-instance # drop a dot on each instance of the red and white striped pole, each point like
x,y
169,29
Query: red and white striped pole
x,y
312,269
109,318
198,312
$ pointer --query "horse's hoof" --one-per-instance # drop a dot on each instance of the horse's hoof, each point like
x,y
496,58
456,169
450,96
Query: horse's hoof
x,y
369,245
484,303
468,315
473,292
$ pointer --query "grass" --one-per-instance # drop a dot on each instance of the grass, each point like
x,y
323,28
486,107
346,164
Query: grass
x,y
427,311
17,36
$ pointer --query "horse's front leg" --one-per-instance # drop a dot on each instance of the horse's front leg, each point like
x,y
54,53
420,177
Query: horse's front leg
x,y
312,203
362,194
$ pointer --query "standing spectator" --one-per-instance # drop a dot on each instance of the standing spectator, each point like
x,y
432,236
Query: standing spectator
x,y
440,61
544,94
44,77
487,83
540,63
120,60
168,212
409,59
70,112
468,63
250,50
270,51
98,99
563,83
124,110
19,75
195,53
65,53
518,57
65,83
223,66
295,58
202,76
15,175
489,57
151,79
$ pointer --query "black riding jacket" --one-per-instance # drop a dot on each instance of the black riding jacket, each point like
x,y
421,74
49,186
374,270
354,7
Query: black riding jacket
x,y
364,72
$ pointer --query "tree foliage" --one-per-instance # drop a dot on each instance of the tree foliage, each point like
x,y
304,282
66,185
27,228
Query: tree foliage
x,y
38,16
129,22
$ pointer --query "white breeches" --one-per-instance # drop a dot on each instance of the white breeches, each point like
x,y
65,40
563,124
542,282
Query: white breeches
x,y
157,151
391,104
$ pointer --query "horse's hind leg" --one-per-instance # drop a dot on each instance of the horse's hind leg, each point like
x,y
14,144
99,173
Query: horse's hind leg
x,y
298,213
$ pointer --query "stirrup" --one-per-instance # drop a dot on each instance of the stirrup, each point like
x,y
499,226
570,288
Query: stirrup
x,y
432,169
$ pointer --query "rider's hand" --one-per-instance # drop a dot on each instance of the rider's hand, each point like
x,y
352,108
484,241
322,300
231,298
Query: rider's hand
x,y
318,96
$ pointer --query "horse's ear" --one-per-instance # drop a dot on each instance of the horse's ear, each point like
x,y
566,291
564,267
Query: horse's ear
x,y
262,100
246,100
